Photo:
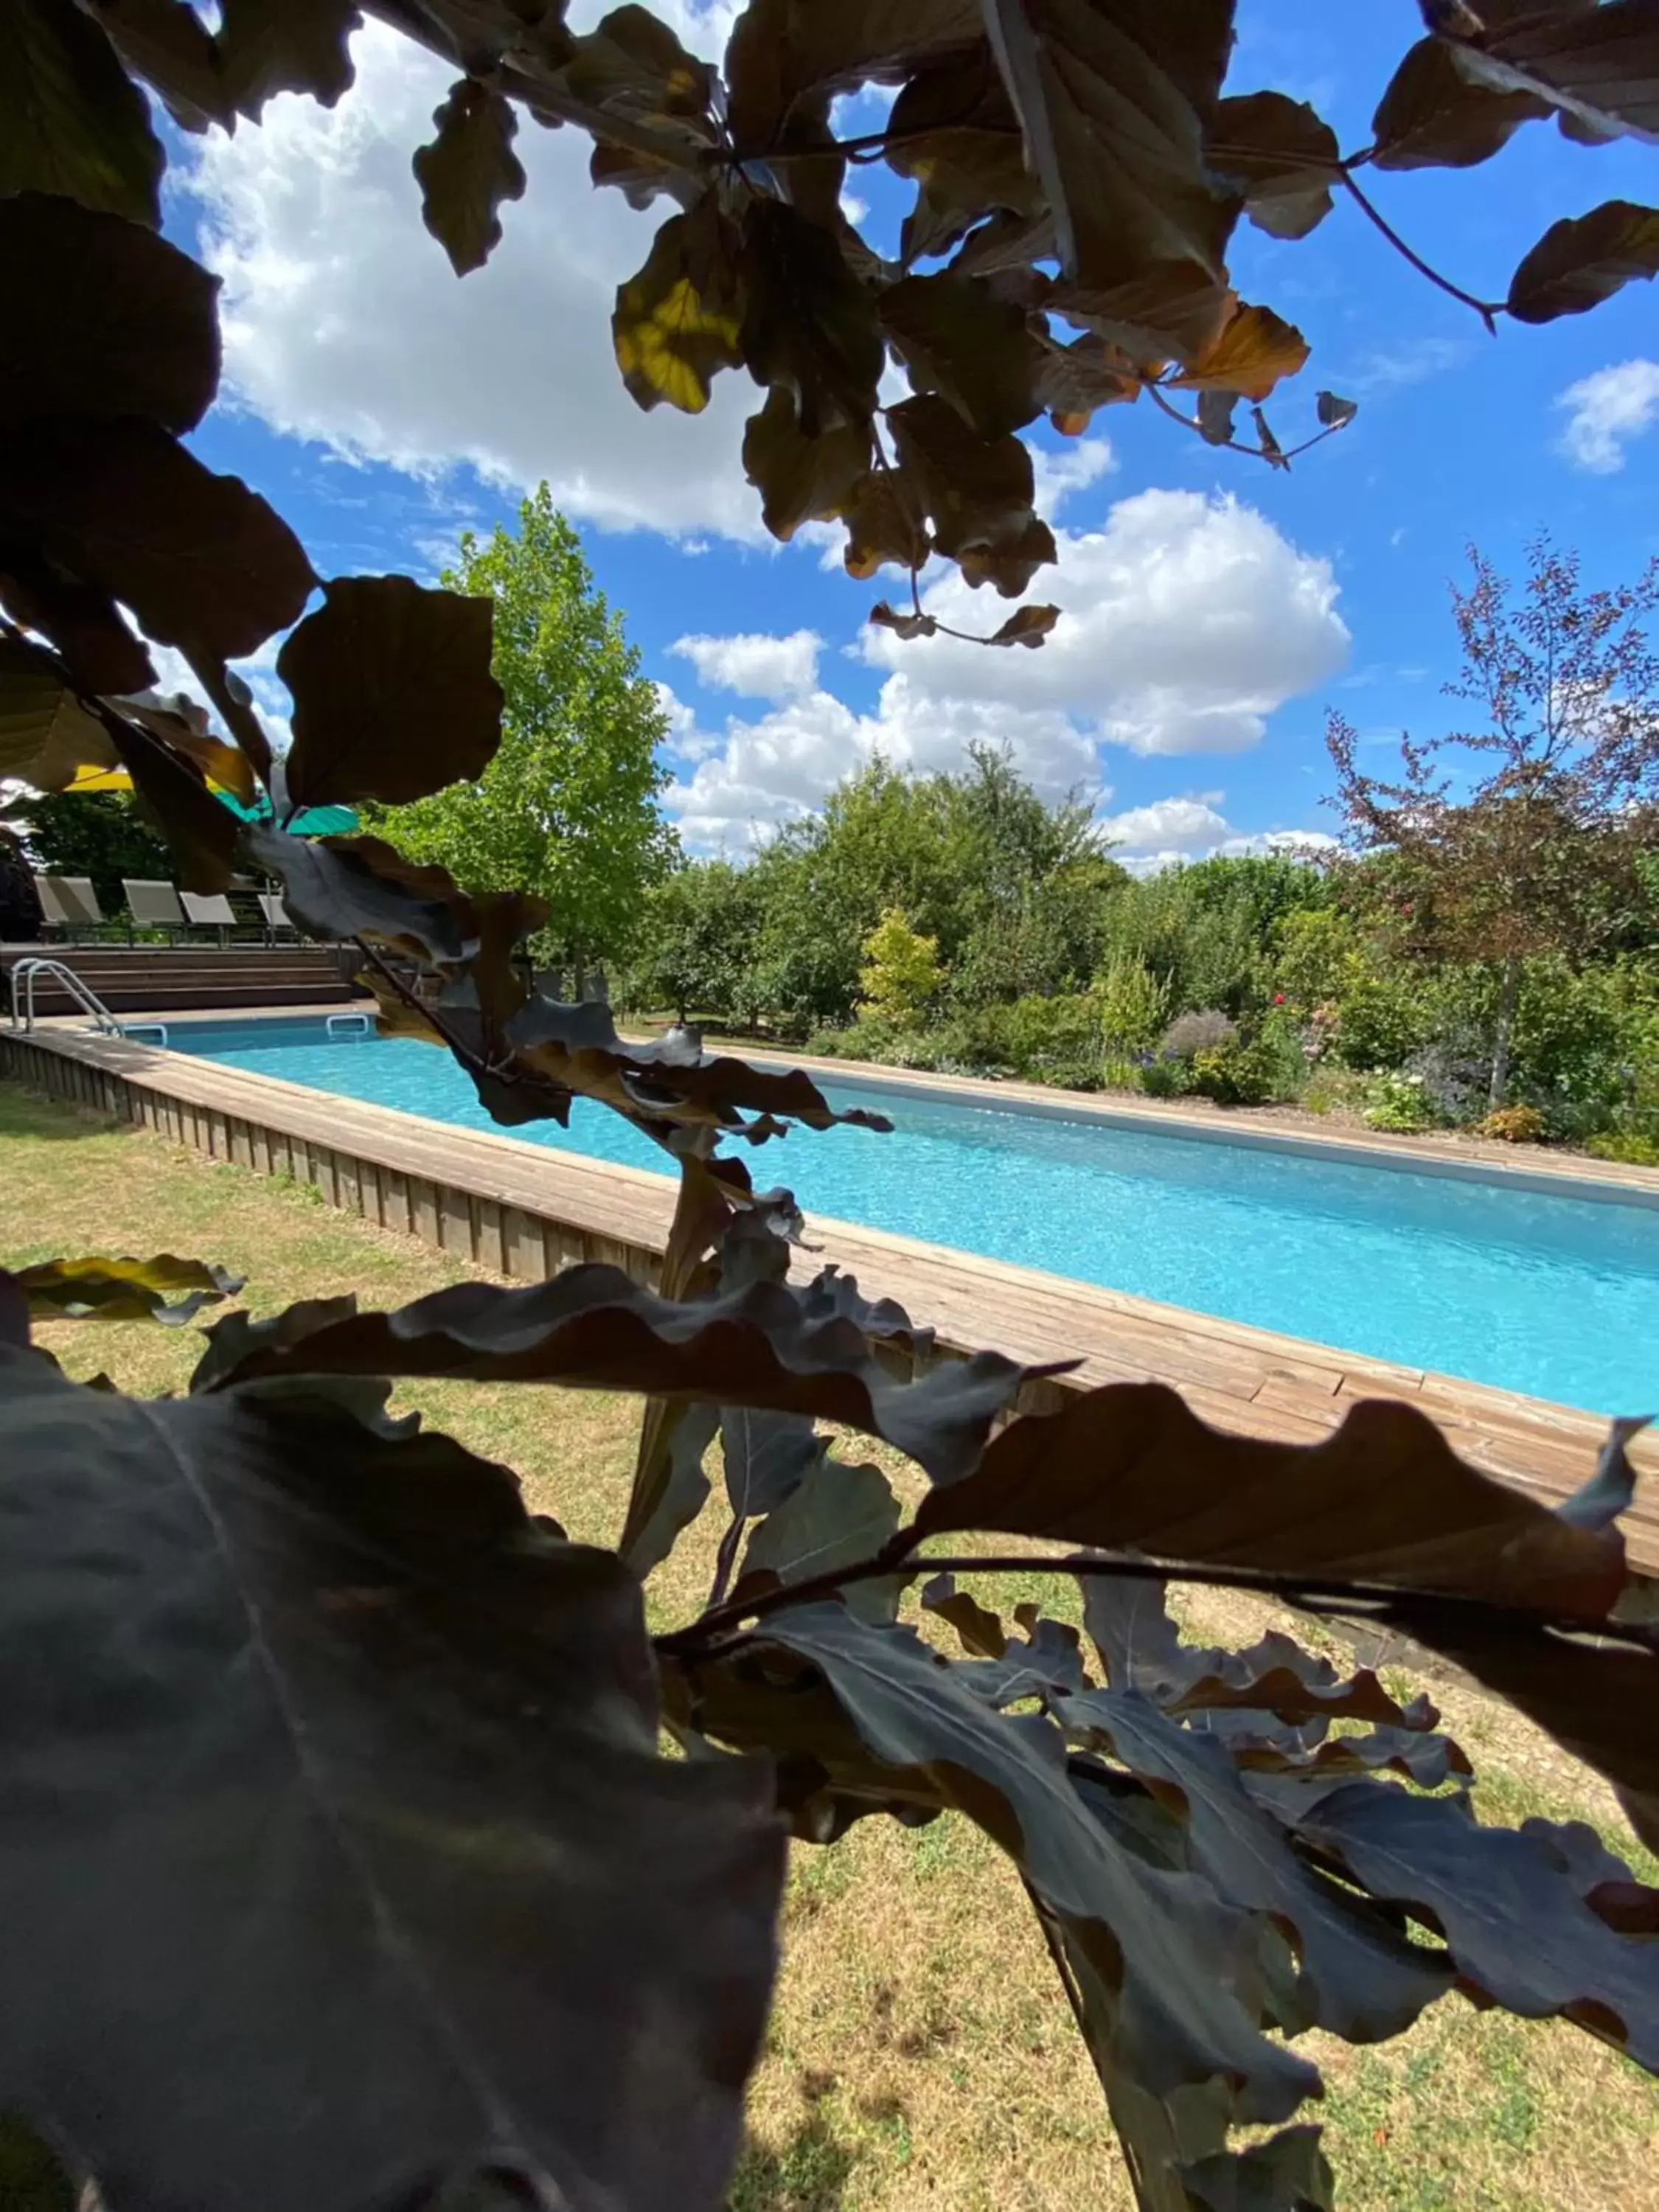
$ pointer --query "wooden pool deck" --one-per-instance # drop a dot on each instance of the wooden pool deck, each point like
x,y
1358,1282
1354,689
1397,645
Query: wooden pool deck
x,y
523,1210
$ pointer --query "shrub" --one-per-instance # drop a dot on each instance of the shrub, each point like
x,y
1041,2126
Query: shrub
x,y
1397,1102
1631,1152
1513,1124
1056,1040
1133,1003
901,974
1191,1034
1382,1016
1234,1074
1165,1078
1313,946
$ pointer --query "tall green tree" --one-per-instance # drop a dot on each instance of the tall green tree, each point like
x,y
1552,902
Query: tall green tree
x,y
568,806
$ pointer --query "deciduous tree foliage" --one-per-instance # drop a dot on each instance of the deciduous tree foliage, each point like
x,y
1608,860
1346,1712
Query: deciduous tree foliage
x,y
333,1785
1523,834
566,805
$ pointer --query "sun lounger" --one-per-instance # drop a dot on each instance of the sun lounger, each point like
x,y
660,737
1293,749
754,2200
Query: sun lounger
x,y
69,903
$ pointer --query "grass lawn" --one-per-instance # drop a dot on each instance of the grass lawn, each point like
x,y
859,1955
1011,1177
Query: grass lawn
x,y
919,2053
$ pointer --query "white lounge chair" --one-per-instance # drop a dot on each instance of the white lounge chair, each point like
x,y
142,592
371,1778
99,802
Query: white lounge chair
x,y
69,903
154,905
210,910
276,914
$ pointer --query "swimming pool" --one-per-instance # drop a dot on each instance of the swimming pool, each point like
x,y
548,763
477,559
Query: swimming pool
x,y
1554,1295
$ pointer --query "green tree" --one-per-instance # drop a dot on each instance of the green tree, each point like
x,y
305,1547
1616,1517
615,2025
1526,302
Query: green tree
x,y
99,834
700,929
568,807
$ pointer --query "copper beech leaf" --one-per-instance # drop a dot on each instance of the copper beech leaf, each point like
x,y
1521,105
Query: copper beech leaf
x,y
122,507
670,1079
164,1288
1114,99
801,479
268,47
102,318
80,619
676,324
1384,1500
71,120
45,734
167,43
339,887
788,57
1283,156
1355,1975
1252,350
466,172
1598,65
593,1327
430,1844
1507,1904
808,323
885,523
201,834
955,336
394,695
1434,115
1141,1648
1029,626
1583,260
766,1456
1182,1963
978,491
833,1516
1288,2173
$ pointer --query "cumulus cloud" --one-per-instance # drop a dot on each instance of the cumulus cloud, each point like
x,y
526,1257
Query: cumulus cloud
x,y
1184,622
768,771
1072,468
1181,825
343,322
760,666
1167,832
1605,411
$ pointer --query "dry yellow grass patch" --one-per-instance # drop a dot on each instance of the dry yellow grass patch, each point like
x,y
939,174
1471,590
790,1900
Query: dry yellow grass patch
x,y
919,2053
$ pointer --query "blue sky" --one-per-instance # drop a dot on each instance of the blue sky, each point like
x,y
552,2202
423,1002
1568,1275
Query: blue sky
x,y
1213,611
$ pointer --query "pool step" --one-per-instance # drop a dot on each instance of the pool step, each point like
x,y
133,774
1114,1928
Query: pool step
x,y
177,978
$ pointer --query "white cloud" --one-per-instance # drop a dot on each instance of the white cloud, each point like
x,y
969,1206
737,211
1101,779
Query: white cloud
x,y
767,771
1605,411
1185,622
760,666
1169,832
1074,468
1182,825
343,322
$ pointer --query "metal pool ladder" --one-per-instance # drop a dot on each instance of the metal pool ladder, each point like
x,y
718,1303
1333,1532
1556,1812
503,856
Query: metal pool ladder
x,y
26,973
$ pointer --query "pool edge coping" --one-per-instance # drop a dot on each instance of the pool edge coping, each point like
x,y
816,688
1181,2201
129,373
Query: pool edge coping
x,y
632,1231
1597,1181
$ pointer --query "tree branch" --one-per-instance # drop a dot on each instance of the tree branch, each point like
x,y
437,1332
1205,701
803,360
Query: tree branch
x,y
1488,312
1282,457
898,1556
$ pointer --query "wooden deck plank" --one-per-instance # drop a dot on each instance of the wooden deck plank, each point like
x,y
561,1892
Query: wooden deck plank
x,y
521,1206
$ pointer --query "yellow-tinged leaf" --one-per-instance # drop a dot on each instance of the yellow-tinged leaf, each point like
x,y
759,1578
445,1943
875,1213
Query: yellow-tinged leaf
x,y
1251,353
676,324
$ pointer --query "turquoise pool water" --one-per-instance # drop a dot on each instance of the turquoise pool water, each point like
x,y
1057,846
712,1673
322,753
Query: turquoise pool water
x,y
1556,1296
